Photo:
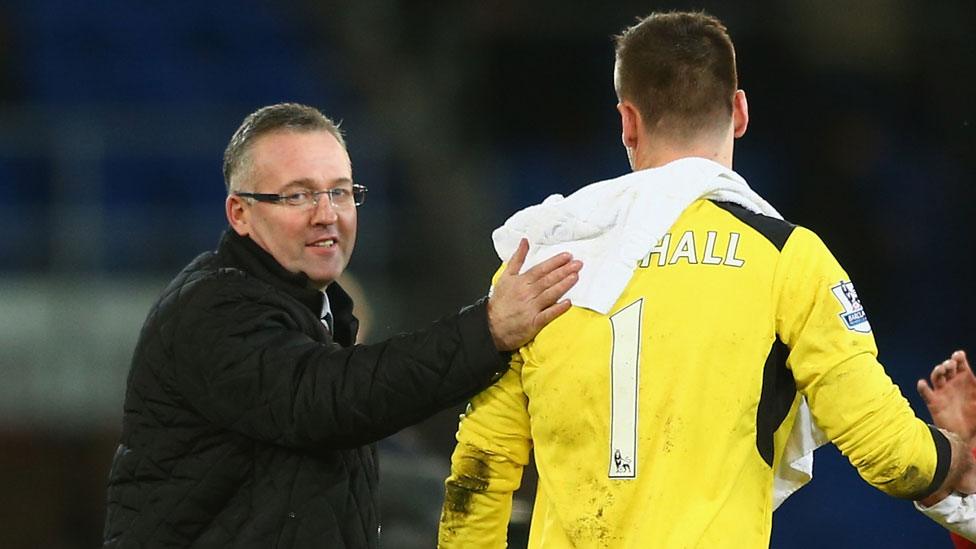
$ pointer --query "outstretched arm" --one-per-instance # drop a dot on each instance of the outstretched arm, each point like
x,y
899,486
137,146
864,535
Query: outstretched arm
x,y
950,395
833,359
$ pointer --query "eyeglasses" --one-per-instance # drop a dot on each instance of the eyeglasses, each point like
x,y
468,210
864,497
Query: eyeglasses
x,y
339,197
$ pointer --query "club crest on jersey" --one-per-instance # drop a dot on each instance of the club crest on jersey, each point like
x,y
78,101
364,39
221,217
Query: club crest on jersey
x,y
853,316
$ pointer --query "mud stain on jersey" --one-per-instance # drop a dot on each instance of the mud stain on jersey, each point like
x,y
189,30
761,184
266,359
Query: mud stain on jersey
x,y
469,477
905,484
593,529
589,532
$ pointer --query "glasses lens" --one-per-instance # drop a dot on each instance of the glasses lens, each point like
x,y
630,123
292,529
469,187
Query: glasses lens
x,y
341,196
359,194
298,199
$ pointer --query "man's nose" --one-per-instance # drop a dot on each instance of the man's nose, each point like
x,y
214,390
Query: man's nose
x,y
324,212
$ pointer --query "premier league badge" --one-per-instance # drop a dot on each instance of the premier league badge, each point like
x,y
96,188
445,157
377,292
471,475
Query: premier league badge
x,y
853,316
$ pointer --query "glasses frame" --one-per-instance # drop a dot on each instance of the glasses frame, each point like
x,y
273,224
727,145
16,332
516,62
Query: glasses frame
x,y
358,197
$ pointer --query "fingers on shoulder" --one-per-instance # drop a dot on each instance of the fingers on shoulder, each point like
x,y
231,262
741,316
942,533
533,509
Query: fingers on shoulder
x,y
552,269
552,312
518,258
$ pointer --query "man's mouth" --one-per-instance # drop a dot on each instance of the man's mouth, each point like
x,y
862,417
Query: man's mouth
x,y
327,243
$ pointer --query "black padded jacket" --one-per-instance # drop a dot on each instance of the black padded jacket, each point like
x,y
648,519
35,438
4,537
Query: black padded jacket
x,y
246,424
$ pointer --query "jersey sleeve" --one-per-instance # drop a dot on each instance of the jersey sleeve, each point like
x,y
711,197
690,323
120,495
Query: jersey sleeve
x,y
833,358
493,445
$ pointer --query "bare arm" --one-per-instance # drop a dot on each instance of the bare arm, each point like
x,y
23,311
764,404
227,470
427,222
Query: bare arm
x,y
962,472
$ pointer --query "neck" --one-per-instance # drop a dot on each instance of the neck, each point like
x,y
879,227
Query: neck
x,y
663,152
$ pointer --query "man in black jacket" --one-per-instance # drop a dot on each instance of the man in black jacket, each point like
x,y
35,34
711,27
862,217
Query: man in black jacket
x,y
249,412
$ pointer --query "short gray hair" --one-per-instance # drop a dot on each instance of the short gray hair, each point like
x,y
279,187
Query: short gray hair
x,y
281,117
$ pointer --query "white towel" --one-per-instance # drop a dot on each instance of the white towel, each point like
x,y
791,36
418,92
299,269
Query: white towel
x,y
610,225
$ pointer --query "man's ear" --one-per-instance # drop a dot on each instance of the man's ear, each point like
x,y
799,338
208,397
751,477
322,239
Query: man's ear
x,y
238,215
630,123
740,113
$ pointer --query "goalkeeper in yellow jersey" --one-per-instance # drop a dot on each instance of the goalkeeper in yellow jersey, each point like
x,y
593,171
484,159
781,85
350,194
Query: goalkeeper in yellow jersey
x,y
712,346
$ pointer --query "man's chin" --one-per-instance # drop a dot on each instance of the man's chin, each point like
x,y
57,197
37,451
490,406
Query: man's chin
x,y
322,279
320,283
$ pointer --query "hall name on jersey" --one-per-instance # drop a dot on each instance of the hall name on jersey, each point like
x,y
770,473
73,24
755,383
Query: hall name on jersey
x,y
670,251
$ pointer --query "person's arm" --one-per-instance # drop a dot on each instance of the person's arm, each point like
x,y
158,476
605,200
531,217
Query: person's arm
x,y
834,362
245,365
493,445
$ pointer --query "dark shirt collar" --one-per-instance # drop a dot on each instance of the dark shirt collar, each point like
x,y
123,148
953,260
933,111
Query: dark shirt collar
x,y
242,251
345,325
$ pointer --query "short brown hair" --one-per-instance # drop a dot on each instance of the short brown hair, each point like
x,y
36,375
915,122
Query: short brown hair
x,y
281,117
678,68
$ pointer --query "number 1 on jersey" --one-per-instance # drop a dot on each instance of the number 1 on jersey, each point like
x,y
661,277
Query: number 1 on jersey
x,y
625,325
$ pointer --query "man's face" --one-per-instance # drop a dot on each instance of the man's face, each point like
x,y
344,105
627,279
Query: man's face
x,y
317,240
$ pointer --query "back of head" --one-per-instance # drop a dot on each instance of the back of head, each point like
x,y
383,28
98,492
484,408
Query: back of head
x,y
273,118
678,69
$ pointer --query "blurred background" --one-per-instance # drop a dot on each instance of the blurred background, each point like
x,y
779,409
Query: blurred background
x,y
114,115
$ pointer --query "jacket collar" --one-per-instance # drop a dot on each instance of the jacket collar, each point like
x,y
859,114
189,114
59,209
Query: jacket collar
x,y
241,251
345,324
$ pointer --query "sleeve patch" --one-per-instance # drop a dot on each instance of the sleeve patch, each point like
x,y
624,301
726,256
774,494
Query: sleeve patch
x,y
853,316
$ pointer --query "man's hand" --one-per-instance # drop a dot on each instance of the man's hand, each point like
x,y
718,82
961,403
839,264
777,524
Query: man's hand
x,y
521,304
962,472
951,397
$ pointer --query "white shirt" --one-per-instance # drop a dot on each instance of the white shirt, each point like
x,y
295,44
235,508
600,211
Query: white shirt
x,y
956,513
326,315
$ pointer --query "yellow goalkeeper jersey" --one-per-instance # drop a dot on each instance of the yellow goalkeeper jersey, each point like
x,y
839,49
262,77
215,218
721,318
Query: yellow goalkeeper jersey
x,y
659,425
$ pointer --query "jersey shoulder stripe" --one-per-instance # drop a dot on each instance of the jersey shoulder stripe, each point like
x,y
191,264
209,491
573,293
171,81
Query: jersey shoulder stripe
x,y
776,231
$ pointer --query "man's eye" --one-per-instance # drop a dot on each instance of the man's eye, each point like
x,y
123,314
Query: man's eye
x,y
340,194
296,198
